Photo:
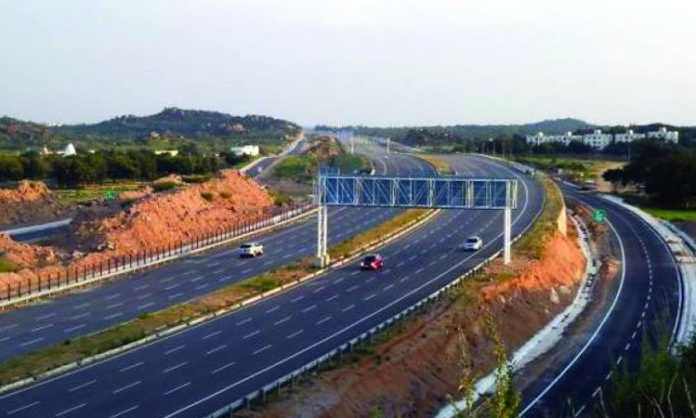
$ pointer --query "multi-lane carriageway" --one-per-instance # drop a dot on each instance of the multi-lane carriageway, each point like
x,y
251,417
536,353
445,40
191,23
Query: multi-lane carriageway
x,y
206,367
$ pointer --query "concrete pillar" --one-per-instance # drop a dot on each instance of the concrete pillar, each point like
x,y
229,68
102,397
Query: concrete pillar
x,y
507,215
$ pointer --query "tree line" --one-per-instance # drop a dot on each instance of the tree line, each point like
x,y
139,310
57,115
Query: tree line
x,y
100,166
665,172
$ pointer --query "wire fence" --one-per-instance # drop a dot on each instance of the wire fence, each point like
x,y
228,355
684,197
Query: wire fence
x,y
67,276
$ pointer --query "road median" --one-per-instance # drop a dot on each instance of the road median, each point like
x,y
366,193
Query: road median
x,y
148,327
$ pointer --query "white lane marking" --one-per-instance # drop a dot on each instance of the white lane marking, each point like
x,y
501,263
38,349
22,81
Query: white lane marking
x,y
388,287
371,279
176,295
125,411
22,408
212,334
618,361
369,297
243,321
84,305
299,298
42,317
287,318
174,367
319,289
334,297
350,289
147,305
309,308
196,279
172,390
37,329
356,272
113,305
251,334
75,328
339,280
223,367
403,279
273,309
174,350
172,287
216,349
167,280
262,349
67,411
348,308
627,346
30,342
83,385
144,296
321,321
202,286
594,335
128,386
294,334
132,366
80,316
112,316
141,287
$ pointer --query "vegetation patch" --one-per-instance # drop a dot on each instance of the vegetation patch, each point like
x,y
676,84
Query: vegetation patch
x,y
296,167
209,196
6,266
49,358
531,243
441,165
93,192
162,186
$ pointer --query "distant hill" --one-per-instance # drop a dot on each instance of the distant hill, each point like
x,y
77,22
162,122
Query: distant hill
x,y
170,124
420,135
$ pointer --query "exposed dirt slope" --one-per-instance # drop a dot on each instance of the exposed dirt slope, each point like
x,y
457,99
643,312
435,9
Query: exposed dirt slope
x,y
30,202
409,375
154,221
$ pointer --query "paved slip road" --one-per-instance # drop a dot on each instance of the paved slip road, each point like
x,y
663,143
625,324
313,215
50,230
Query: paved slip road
x,y
96,308
201,369
646,298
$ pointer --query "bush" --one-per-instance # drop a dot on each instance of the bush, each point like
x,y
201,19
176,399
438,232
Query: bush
x,y
161,186
196,178
225,195
209,196
6,266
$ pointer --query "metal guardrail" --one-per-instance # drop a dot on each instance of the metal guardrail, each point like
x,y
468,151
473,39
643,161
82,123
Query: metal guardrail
x,y
73,276
367,335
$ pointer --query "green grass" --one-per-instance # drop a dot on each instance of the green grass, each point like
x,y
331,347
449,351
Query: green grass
x,y
672,214
92,192
348,163
296,167
6,266
532,243
146,324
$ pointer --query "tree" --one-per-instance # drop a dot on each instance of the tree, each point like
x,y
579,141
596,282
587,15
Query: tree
x,y
11,168
34,165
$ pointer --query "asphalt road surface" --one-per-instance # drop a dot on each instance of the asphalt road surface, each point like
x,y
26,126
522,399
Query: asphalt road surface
x,y
205,367
646,298
96,308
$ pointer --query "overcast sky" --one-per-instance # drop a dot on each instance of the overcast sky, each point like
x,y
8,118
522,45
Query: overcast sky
x,y
380,62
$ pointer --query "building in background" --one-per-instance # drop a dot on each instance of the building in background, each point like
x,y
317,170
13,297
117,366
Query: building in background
x,y
665,135
248,150
628,136
599,140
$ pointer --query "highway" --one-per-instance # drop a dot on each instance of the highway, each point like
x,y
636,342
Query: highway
x,y
205,367
99,307
644,299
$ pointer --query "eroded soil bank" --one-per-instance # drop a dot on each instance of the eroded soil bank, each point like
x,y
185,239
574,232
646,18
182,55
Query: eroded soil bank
x,y
411,373
151,221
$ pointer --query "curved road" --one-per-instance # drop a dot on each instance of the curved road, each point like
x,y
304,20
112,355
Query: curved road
x,y
96,308
645,298
206,367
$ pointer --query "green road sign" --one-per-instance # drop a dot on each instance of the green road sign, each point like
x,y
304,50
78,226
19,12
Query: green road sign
x,y
110,195
599,215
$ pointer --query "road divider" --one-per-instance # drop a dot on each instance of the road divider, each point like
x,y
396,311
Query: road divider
x,y
149,327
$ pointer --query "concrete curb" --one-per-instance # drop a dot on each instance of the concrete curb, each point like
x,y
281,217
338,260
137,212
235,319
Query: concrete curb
x,y
175,329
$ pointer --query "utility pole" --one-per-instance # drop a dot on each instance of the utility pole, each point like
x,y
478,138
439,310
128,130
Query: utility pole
x,y
388,141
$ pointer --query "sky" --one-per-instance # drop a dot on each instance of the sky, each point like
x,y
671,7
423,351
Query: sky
x,y
379,62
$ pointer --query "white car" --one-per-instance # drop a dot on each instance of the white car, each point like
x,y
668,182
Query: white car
x,y
472,244
251,249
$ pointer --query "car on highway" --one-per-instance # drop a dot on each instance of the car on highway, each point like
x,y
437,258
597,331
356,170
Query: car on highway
x,y
372,262
472,244
251,249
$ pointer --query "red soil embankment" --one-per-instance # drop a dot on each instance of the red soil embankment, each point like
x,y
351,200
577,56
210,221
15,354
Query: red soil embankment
x,y
153,222
411,373
30,202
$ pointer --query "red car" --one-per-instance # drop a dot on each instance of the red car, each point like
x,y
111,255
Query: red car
x,y
372,262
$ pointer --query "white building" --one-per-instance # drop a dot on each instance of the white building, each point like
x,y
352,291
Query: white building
x,y
249,150
564,139
628,136
597,139
665,135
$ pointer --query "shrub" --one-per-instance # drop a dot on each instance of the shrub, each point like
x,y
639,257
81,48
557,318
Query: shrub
x,y
209,196
6,266
161,186
225,195
196,178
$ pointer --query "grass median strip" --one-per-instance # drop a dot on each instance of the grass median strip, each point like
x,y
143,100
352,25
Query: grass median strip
x,y
441,165
73,350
